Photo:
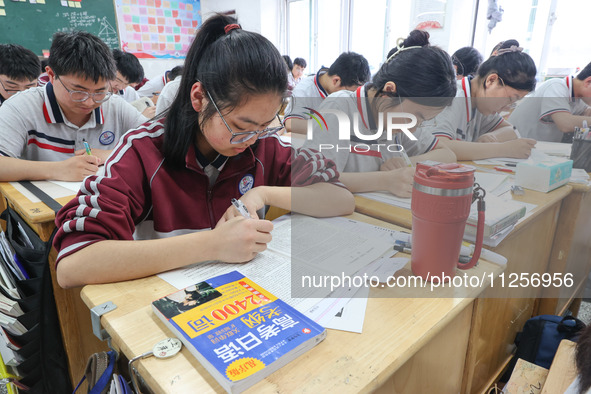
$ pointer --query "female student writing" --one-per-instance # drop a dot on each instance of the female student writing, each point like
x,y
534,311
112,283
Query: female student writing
x,y
502,80
416,79
173,177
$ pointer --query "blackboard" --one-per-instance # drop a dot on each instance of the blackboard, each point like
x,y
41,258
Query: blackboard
x,y
32,24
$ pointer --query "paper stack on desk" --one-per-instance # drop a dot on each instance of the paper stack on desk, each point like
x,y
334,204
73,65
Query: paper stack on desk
x,y
321,251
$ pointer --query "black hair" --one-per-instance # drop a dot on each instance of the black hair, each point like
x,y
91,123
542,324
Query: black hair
x,y
231,66
424,75
584,73
129,66
81,54
300,62
19,63
467,60
288,62
416,38
44,63
175,72
583,359
352,68
516,68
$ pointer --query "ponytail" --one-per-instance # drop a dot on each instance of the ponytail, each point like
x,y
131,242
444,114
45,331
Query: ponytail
x,y
232,64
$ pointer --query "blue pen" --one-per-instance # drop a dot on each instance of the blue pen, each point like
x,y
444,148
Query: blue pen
x,y
87,147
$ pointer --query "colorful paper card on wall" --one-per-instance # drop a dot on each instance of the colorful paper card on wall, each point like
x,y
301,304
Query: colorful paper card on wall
x,y
173,22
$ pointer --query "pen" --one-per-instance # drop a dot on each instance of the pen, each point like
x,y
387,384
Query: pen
x,y
406,159
87,147
505,169
241,208
516,132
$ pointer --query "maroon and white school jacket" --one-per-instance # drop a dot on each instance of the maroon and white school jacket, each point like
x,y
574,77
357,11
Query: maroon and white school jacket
x,y
139,196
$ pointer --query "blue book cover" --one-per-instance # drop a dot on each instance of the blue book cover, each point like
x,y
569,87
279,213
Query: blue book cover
x,y
237,330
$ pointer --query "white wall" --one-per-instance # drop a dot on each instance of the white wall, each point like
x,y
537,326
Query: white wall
x,y
248,12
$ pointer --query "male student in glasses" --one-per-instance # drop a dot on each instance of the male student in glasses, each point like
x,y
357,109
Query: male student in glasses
x,y
19,69
42,130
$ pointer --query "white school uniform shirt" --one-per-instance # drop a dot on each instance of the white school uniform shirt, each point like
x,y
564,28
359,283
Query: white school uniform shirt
x,y
167,95
362,156
153,85
460,121
129,94
307,93
33,126
533,115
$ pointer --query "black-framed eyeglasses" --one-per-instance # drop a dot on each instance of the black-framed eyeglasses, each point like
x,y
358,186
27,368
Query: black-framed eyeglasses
x,y
79,96
13,91
512,104
238,138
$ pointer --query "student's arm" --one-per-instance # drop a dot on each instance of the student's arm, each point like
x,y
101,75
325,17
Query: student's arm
x,y
519,149
237,240
398,181
503,132
296,125
566,122
73,169
319,200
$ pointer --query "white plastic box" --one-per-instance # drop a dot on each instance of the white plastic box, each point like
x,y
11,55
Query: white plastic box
x,y
543,176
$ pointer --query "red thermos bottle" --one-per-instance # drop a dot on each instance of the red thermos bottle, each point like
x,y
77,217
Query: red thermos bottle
x,y
440,206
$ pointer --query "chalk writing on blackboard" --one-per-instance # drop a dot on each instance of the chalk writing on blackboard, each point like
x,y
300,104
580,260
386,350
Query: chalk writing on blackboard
x,y
82,20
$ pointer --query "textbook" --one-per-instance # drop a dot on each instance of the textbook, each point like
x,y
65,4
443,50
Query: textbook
x,y
237,330
498,215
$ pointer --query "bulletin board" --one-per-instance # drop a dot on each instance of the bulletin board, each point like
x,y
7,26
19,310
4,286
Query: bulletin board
x,y
32,23
160,29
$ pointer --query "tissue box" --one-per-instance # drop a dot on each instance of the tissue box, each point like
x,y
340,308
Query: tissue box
x,y
543,176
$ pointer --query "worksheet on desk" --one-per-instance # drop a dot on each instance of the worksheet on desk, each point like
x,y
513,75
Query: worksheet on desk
x,y
54,190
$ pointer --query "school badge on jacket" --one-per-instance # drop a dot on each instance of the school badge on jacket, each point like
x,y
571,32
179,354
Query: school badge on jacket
x,y
107,137
245,183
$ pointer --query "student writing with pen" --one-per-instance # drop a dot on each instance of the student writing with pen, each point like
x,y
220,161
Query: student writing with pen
x,y
399,86
41,129
164,199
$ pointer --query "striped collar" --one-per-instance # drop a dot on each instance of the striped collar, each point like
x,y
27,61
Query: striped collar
x,y
467,97
53,113
363,107
569,84
321,91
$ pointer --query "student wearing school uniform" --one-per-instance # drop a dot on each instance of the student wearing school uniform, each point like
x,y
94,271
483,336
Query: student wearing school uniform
x,y
19,69
466,61
297,71
349,71
129,72
170,182
416,79
556,107
472,126
167,95
153,87
42,130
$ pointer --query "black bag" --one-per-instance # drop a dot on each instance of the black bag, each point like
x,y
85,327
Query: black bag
x,y
540,338
46,363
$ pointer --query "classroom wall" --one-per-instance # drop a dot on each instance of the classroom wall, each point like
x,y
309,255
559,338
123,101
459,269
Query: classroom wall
x,y
249,15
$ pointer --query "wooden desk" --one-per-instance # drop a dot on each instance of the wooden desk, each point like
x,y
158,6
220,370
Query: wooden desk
x,y
79,341
497,318
563,370
403,341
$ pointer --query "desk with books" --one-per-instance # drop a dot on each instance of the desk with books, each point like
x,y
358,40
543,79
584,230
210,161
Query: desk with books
x,y
78,339
403,339
550,239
